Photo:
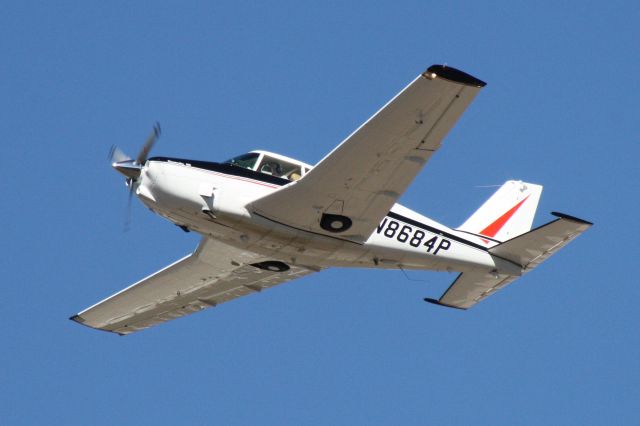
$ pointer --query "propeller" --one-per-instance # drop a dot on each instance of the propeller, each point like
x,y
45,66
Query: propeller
x,y
116,155
148,144
131,168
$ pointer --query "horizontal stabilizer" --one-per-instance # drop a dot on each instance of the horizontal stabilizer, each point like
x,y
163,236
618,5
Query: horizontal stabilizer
x,y
527,250
471,287
530,249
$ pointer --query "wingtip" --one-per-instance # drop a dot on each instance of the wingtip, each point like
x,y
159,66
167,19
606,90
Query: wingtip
x,y
439,303
573,218
77,318
455,75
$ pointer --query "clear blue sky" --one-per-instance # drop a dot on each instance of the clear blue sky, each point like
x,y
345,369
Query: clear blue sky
x,y
561,109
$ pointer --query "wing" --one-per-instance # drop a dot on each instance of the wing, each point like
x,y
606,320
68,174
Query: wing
x,y
215,273
527,250
347,194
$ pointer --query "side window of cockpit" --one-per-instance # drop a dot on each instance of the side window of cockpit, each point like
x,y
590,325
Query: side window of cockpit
x,y
271,167
280,168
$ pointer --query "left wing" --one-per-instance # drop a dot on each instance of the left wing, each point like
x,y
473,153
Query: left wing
x,y
215,273
347,194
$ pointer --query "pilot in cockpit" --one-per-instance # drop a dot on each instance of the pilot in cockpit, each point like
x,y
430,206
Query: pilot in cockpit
x,y
275,168
268,165
271,168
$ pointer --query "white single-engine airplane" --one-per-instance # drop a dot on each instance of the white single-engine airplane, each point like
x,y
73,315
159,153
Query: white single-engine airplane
x,y
266,219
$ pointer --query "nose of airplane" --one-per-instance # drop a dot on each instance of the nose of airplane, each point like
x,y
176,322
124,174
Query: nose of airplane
x,y
129,168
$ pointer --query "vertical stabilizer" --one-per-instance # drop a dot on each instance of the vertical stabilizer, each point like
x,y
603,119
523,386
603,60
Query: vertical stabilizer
x,y
508,213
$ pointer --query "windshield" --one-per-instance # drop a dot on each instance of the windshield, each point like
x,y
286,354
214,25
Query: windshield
x,y
247,161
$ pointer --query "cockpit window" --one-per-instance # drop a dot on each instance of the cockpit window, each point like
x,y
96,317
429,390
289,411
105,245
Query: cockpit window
x,y
247,161
268,165
279,168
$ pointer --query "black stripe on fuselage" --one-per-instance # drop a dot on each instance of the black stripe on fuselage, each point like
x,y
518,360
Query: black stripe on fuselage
x,y
431,229
226,169
484,237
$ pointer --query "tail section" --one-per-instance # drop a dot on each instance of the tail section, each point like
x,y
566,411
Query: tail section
x,y
525,252
508,213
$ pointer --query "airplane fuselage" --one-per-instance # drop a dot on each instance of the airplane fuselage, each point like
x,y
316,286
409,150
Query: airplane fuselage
x,y
212,198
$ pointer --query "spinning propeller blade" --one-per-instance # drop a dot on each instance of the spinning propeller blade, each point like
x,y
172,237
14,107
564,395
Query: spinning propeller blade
x,y
151,140
127,218
116,155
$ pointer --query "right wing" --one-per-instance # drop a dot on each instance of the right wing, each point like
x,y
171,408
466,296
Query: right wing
x,y
527,251
349,192
215,273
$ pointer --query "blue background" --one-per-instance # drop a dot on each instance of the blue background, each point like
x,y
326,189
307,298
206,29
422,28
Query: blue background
x,y
560,345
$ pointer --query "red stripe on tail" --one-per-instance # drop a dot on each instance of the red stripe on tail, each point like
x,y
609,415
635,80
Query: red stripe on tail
x,y
496,226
